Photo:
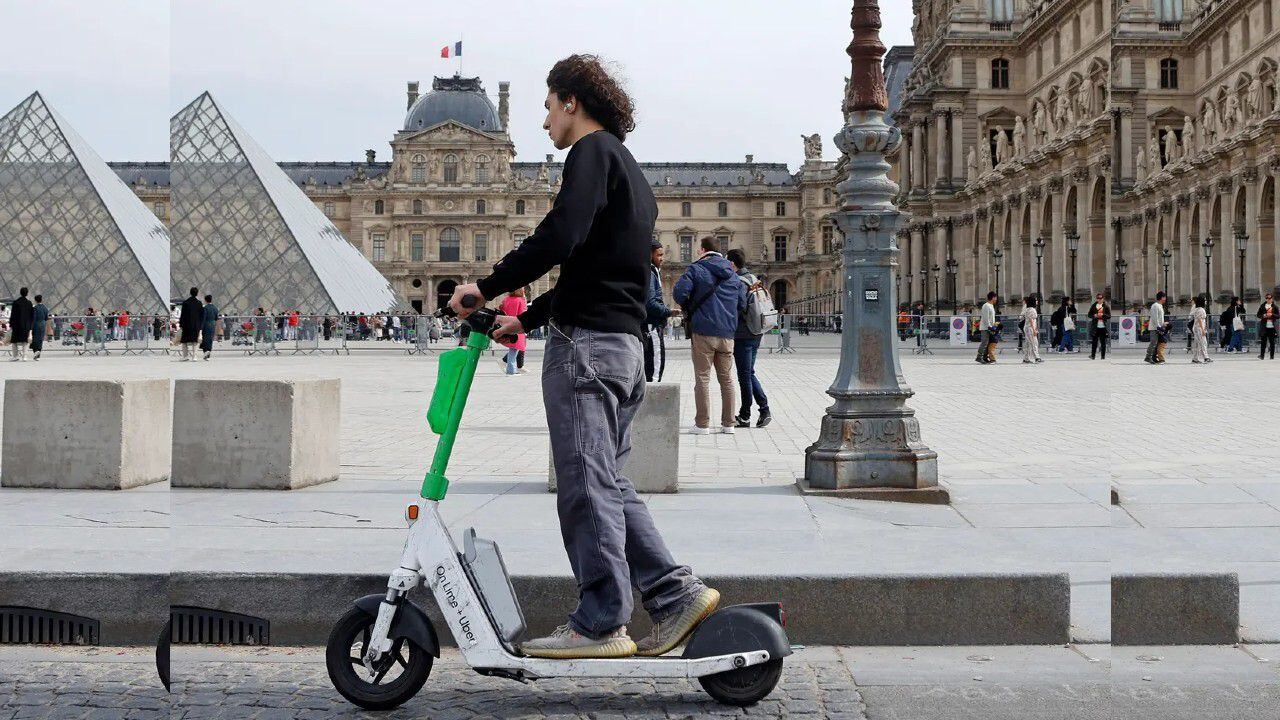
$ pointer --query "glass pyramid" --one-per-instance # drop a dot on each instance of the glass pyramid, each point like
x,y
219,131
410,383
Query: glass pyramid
x,y
69,228
244,232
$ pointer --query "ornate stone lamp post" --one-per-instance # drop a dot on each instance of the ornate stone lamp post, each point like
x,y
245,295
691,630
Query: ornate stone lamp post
x,y
1073,246
1242,246
1038,245
997,259
937,297
1208,258
924,286
1166,260
1122,268
869,444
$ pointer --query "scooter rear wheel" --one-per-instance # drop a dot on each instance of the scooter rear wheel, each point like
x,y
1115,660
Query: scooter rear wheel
x,y
745,686
162,654
407,665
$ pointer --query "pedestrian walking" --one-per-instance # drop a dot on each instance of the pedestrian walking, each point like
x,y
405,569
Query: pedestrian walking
x,y
1063,321
39,326
598,232
1031,330
757,318
1268,322
1158,331
713,297
190,320
208,326
1200,332
514,306
656,314
21,318
987,329
1233,320
1099,327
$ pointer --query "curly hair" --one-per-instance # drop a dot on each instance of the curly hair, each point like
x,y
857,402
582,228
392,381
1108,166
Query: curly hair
x,y
584,78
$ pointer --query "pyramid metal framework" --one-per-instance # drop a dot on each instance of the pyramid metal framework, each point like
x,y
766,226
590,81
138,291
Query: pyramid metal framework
x,y
70,230
244,232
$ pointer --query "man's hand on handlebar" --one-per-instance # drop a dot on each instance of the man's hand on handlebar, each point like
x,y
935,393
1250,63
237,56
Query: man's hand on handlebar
x,y
461,291
506,328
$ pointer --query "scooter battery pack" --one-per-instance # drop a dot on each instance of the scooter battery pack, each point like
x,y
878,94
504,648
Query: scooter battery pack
x,y
488,573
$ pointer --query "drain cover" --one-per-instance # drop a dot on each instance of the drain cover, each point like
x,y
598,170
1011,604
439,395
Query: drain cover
x,y
31,626
201,626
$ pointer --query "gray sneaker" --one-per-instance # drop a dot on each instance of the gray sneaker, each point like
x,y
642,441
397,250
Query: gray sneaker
x,y
672,631
568,643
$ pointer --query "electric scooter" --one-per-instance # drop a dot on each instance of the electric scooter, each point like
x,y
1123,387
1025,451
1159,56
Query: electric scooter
x,y
381,651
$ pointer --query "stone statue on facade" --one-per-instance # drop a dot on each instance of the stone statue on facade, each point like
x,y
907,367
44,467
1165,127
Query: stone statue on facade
x,y
1153,153
984,155
1209,127
1276,90
1060,114
812,146
1039,124
1172,153
1254,99
1188,136
1142,165
1231,123
543,173
971,164
1019,137
1002,146
1082,102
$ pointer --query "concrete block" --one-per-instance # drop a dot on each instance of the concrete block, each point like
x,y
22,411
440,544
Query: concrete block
x,y
132,608
255,434
85,434
1175,609
654,463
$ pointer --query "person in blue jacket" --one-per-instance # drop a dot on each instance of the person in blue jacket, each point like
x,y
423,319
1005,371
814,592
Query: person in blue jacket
x,y
713,298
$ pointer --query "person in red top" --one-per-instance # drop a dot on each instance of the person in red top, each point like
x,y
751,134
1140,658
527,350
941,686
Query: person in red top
x,y
514,305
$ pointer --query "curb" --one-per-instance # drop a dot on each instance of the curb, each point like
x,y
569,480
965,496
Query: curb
x,y
1175,609
996,609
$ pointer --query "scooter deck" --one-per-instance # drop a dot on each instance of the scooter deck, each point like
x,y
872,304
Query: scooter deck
x,y
632,667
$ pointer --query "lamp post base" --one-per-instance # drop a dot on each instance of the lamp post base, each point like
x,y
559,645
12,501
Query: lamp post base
x,y
872,455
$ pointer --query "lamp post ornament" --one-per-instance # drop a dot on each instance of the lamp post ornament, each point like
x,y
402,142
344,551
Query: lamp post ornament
x,y
1166,259
869,443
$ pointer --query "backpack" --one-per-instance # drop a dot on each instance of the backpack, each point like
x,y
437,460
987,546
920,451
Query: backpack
x,y
760,316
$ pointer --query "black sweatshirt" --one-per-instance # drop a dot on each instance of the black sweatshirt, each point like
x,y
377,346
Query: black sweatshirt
x,y
598,232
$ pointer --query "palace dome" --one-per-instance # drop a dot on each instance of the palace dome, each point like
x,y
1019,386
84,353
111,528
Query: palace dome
x,y
455,98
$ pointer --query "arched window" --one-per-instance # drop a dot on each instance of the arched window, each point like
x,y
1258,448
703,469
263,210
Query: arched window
x,y
450,245
378,207
1000,74
1168,74
482,169
481,207
722,209
418,168
686,209
519,207
451,168
417,207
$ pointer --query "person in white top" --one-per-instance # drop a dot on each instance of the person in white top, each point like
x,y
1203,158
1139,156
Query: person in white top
x,y
987,326
1031,330
1200,333
1157,327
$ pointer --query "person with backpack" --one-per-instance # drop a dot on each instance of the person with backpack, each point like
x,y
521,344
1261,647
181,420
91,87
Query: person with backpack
x,y
713,298
758,318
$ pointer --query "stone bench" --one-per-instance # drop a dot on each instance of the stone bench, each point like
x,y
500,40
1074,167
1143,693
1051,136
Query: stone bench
x,y
255,434
85,434
654,463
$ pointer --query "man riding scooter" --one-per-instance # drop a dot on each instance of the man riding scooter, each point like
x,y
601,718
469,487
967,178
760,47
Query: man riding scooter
x,y
598,232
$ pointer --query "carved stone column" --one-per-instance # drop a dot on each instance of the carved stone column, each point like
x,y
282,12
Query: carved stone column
x,y
917,153
869,444
942,179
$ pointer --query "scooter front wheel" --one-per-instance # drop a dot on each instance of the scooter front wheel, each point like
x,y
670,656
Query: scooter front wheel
x,y
398,676
745,686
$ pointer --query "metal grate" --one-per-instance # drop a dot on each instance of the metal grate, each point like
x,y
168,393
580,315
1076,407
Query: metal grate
x,y
30,626
201,626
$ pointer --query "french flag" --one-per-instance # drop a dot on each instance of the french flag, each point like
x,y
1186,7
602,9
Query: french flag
x,y
455,51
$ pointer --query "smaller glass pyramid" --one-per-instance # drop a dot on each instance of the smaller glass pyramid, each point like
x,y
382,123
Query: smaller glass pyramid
x,y
69,228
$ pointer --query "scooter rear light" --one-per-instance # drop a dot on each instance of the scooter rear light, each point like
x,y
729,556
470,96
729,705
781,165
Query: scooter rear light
x,y
411,512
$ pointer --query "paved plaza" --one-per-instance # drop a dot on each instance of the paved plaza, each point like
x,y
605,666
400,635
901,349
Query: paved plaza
x,y
1028,452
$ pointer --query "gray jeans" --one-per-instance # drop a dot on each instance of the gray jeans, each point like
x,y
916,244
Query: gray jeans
x,y
592,386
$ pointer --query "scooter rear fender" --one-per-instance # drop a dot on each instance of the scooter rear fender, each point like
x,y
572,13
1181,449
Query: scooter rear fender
x,y
410,622
740,628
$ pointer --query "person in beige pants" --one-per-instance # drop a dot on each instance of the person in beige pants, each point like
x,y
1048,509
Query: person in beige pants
x,y
713,298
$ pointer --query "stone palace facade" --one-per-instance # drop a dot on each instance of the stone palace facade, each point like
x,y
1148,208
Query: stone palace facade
x,y
1079,146
453,200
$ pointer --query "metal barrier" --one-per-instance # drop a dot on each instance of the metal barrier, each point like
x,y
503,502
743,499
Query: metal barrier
x,y
147,333
423,327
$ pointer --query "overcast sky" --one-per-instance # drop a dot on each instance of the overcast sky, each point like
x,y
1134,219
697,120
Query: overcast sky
x,y
325,79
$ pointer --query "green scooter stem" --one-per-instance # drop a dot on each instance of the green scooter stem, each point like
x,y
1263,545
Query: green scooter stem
x,y
435,484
